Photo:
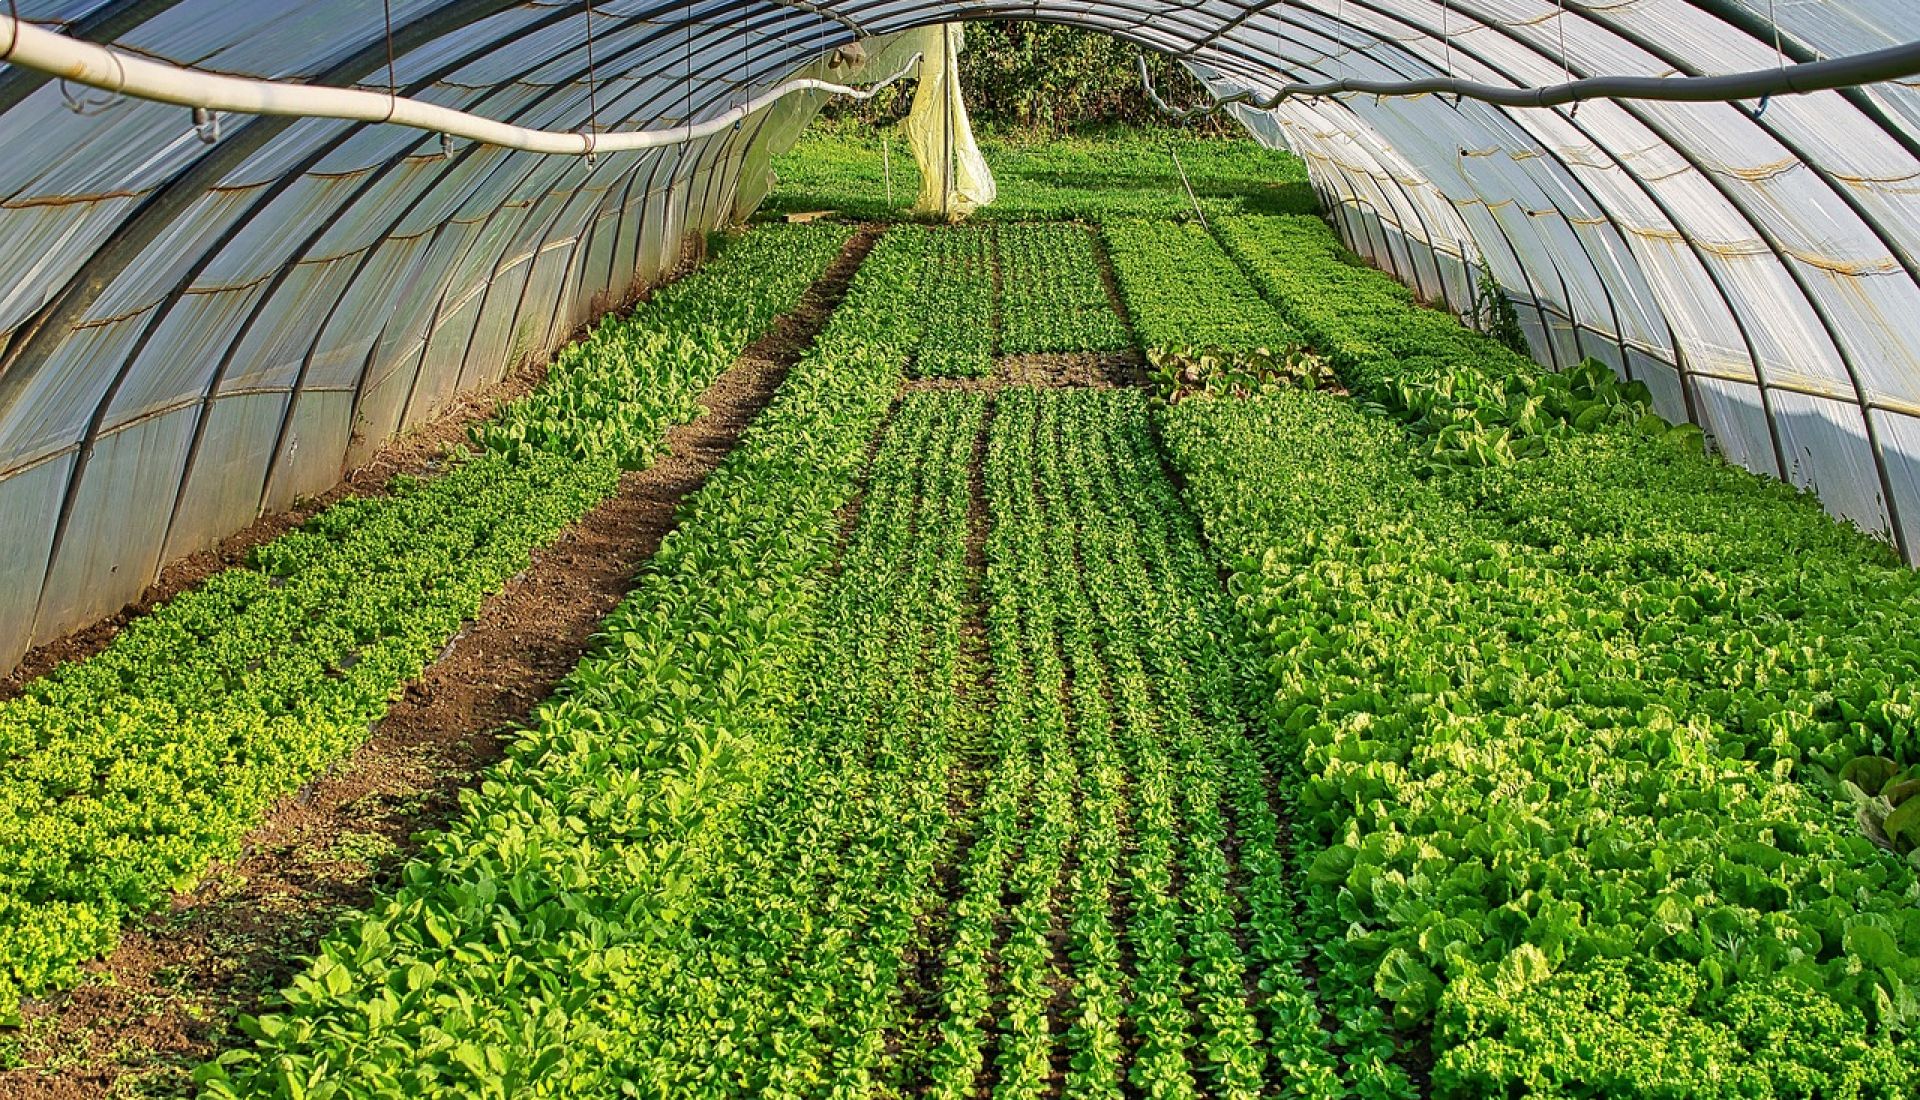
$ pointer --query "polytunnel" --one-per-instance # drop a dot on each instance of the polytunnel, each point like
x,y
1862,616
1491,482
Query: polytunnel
x,y
531,563
186,330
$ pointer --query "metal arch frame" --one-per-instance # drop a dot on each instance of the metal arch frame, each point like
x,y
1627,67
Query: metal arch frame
x,y
1387,58
1734,313
374,177
53,323
1894,249
102,25
1739,205
1574,178
532,168
86,442
1898,251
143,225
95,422
1568,178
1153,26
1740,18
1736,207
1536,303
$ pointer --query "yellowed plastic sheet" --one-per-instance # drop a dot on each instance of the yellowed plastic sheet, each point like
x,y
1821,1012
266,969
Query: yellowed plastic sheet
x,y
954,178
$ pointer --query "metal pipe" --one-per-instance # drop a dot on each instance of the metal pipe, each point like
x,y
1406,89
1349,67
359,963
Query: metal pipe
x,y
111,70
1892,63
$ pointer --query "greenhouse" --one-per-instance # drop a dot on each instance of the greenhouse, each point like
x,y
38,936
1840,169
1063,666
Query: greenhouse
x,y
847,548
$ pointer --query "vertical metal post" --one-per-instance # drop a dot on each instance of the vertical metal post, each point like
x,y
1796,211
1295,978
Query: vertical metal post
x,y
951,66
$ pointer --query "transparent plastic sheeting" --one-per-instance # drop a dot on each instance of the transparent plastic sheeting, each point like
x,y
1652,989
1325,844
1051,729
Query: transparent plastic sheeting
x,y
192,334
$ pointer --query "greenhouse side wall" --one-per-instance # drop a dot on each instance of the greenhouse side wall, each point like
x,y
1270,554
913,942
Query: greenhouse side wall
x,y
266,380
1676,282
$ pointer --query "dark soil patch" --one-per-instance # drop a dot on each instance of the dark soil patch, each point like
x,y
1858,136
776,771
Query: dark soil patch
x,y
1093,370
988,384
165,1000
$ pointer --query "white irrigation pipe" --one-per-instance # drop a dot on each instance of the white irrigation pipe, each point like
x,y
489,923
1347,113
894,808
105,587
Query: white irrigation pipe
x,y
32,47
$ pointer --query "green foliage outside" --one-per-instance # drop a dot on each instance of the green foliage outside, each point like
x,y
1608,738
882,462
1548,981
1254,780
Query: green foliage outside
x,y
1047,78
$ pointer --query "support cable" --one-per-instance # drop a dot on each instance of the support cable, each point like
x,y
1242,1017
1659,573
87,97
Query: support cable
x,y
593,80
393,85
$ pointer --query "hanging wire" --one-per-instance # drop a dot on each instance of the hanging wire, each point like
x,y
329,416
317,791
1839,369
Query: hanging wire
x,y
593,77
84,105
393,86
1779,59
1446,32
1779,52
1560,24
1187,184
686,87
592,158
1566,70
78,102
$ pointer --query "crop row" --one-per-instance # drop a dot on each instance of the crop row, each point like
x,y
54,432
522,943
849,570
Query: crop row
x,y
1181,290
1052,297
1796,628
1039,285
1159,614
714,867
956,300
1097,900
124,774
787,978
509,953
673,345
1552,800
1474,401
1128,174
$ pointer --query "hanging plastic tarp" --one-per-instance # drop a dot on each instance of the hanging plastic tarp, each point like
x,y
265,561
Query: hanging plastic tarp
x,y
954,178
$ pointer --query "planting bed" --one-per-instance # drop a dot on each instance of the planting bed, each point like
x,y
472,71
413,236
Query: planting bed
x,y
1271,689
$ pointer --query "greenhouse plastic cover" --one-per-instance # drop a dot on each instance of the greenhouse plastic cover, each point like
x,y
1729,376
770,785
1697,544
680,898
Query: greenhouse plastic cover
x,y
193,334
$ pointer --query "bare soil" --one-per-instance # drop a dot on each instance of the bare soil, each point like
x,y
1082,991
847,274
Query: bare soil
x,y
166,999
989,384
1090,370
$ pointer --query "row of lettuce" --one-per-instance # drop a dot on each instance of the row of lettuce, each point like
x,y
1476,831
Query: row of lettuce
x,y
674,884
124,775
525,941
1182,953
1472,401
1564,720
1003,290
